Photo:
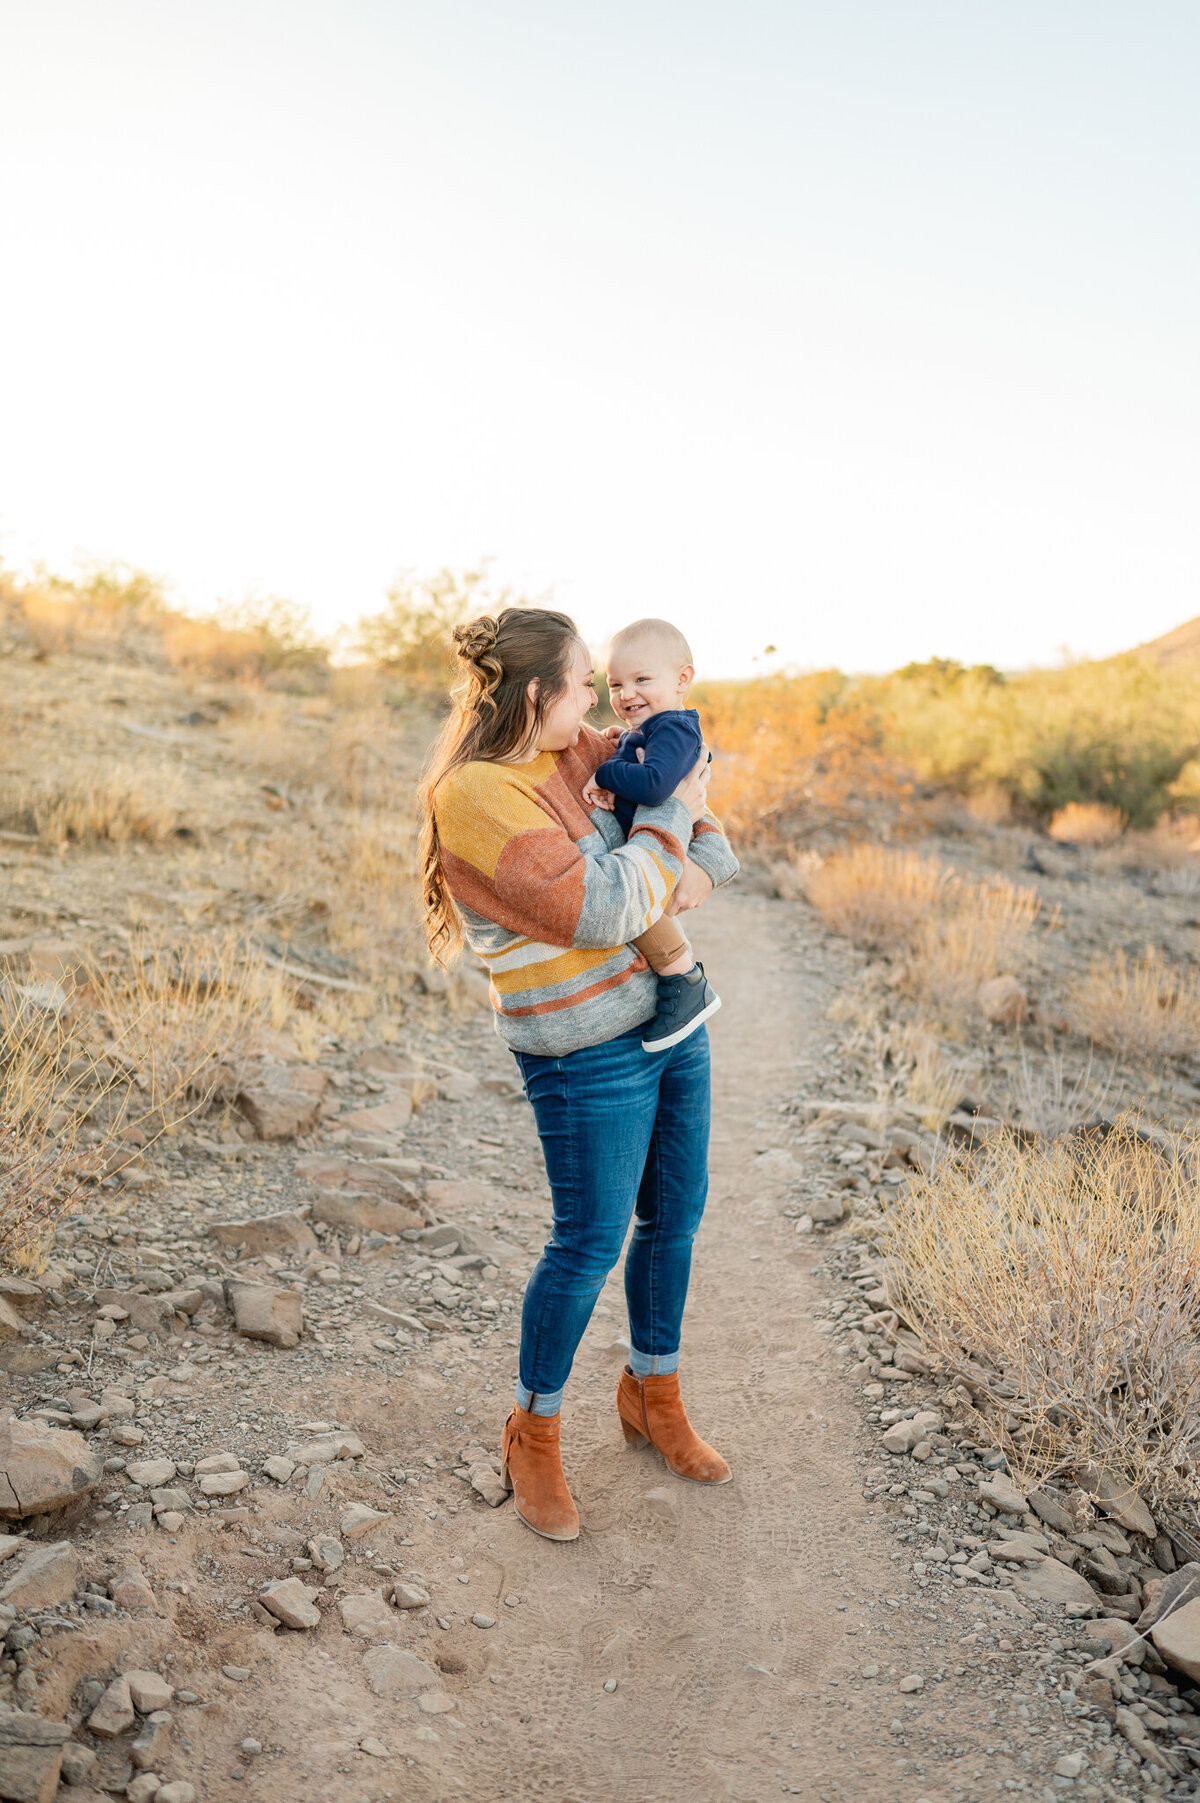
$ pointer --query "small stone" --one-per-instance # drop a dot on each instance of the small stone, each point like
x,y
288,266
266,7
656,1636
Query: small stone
x,y
281,1233
366,1614
124,1434
326,1552
224,1483
1069,1765
170,1520
486,1483
113,1714
139,1515
44,1468
610,1684
325,1447
144,1788
218,1461
277,1114
261,1312
130,1590
870,1671
77,1762
1002,1493
237,1674
279,1469
151,1473
358,1520
393,1672
374,1747
152,1743
410,1596
149,1691
252,1748
913,1682
483,1621
291,1602
179,1791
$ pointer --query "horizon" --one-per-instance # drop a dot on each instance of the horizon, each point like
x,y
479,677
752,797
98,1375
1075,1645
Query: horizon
x,y
870,337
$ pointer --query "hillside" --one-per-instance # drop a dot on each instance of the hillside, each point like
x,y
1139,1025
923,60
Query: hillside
x,y
1181,645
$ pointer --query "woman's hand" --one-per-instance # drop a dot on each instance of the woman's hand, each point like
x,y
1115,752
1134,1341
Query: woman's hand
x,y
694,787
693,887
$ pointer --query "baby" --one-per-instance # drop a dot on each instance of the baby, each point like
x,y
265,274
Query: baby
x,y
650,671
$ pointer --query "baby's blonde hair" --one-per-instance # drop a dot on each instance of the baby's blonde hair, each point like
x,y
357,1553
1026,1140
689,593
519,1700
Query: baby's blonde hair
x,y
660,633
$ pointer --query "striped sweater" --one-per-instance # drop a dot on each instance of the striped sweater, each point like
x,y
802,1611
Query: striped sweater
x,y
551,895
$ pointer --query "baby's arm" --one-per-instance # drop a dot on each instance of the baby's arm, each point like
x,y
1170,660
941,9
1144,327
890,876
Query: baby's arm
x,y
671,752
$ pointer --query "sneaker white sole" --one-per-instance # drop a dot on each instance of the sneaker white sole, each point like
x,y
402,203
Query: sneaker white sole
x,y
664,1045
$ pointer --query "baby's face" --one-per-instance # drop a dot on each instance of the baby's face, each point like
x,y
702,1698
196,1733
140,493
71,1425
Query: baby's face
x,y
643,680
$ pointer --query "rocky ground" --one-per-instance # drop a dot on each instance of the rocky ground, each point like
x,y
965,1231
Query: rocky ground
x,y
256,1533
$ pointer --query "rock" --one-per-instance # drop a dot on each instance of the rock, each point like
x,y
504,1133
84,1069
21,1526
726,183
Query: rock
x,y
375,1747
149,1691
1068,1765
113,1714
224,1483
1002,1493
185,1301
150,1747
902,1436
291,1602
1052,1511
277,1114
1054,1582
179,1791
147,1314
151,1473
217,1461
388,1061
1020,1549
323,1449
139,1515
1177,1638
130,1590
261,1312
1121,1639
326,1553
367,1214
46,1577
827,1211
358,1520
170,1498
388,1119
1115,1496
410,1596
142,1789
44,1468
366,1613
335,1171
11,1323
483,1621
10,1544
911,1684
77,1762
31,1756
447,1197
237,1674
279,1469
486,1483
280,1233
392,1672
1003,1002
1168,1593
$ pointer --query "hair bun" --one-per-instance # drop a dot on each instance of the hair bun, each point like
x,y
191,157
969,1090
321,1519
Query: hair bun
x,y
475,646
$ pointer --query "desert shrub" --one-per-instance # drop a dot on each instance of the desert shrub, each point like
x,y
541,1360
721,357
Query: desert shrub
x,y
979,932
1057,1282
875,895
118,805
1141,1005
1086,823
1120,731
795,755
410,637
265,638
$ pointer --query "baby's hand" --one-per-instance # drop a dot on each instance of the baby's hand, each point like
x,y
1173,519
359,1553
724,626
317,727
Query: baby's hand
x,y
613,733
596,797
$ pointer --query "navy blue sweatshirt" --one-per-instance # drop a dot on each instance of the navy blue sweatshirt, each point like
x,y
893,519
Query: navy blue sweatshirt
x,y
672,742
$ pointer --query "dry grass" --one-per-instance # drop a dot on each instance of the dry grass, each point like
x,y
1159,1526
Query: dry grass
x,y
1087,823
935,1083
181,1020
877,896
1058,1284
1143,1006
118,805
49,1087
980,933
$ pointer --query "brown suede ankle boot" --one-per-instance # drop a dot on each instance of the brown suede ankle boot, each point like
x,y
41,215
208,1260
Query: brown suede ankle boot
x,y
532,1469
652,1412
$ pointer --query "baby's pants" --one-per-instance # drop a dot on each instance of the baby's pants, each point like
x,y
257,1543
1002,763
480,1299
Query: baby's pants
x,y
662,943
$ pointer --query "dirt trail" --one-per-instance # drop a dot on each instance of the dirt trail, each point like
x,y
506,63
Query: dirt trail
x,y
724,1616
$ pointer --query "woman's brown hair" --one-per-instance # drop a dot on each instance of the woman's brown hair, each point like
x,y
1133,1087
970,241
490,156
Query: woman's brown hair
x,y
491,723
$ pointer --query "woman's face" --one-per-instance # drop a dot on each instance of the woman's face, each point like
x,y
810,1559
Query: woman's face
x,y
564,716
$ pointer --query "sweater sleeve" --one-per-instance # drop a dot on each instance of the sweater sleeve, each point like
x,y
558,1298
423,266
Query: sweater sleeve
x,y
712,851
671,752
511,862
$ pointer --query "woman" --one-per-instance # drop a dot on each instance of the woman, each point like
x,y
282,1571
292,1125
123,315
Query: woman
x,y
549,897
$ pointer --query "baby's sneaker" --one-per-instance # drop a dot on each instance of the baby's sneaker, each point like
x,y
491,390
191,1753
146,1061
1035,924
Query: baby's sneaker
x,y
683,1003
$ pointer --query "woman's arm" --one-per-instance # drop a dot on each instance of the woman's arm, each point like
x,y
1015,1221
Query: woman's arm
x,y
712,851
508,859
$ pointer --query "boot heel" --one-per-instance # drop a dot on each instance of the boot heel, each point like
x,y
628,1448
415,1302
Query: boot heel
x,y
632,1435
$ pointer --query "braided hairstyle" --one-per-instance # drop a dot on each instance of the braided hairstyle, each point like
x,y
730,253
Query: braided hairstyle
x,y
494,720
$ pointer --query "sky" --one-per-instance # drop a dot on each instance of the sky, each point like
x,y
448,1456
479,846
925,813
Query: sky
x,y
867,330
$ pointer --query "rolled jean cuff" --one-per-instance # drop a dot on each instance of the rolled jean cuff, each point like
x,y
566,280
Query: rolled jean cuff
x,y
539,1402
653,1364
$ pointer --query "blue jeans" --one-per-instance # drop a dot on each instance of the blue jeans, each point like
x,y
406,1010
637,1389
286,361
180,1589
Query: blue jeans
x,y
621,1130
